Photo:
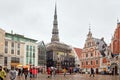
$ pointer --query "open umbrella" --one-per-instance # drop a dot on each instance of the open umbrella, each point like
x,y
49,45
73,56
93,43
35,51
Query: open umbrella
x,y
26,66
20,65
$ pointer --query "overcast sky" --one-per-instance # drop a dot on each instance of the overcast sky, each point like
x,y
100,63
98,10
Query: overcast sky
x,y
34,19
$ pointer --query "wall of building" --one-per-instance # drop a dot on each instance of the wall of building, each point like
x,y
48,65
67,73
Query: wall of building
x,y
2,41
13,49
90,59
115,43
31,54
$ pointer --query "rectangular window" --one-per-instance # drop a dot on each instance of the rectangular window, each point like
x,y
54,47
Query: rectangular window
x,y
91,62
18,45
6,43
12,45
86,62
82,63
5,61
30,48
6,46
86,55
33,55
18,52
15,60
96,61
91,54
27,54
33,48
27,48
12,51
6,50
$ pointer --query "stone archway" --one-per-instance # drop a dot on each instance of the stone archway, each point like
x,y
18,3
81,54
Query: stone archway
x,y
114,68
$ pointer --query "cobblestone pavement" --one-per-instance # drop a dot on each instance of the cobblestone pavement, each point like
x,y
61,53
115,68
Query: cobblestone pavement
x,y
71,77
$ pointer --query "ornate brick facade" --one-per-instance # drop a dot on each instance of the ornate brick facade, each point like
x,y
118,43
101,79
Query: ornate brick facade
x,y
93,54
115,44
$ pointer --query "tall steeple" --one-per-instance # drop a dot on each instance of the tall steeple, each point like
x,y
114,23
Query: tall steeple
x,y
89,34
55,32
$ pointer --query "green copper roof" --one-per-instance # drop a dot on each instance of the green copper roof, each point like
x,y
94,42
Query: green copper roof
x,y
18,37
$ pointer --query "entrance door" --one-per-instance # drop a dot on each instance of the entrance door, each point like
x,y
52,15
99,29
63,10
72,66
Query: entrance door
x,y
96,70
116,69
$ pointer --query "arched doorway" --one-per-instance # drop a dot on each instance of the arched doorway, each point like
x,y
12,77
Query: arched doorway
x,y
114,68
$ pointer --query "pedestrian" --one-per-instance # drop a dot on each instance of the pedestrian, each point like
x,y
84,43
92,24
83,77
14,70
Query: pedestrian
x,y
30,71
12,74
92,72
54,71
2,73
70,70
51,71
25,71
48,71
19,72
34,72
112,71
64,71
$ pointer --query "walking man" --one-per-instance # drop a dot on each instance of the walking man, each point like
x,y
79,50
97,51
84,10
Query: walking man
x,y
92,72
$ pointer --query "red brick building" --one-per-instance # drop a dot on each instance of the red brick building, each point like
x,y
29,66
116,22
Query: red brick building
x,y
93,54
115,49
115,44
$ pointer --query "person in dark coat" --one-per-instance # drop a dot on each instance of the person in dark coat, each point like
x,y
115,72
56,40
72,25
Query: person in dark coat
x,y
25,71
92,72
19,72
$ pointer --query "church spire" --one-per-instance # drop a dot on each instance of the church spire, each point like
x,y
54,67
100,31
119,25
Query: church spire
x,y
118,22
89,28
89,34
55,10
55,32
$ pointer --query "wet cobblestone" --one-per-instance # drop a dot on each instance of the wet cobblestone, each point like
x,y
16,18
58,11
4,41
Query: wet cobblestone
x,y
70,77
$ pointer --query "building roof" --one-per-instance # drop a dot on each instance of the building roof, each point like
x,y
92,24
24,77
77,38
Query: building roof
x,y
101,45
58,46
20,36
78,52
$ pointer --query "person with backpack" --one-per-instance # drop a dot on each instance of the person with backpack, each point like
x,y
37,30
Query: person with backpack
x,y
12,74
2,73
